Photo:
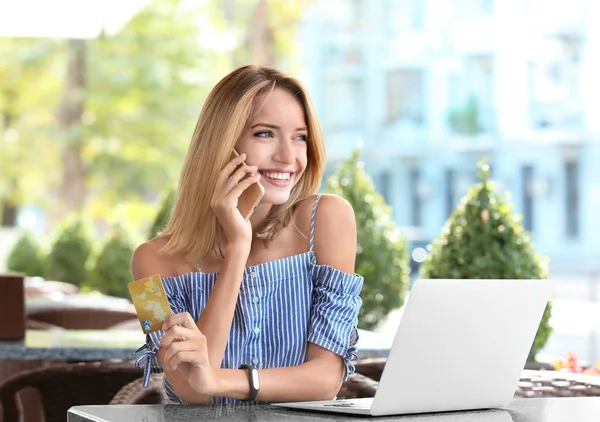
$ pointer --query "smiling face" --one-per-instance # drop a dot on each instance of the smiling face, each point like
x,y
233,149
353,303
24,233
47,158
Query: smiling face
x,y
275,140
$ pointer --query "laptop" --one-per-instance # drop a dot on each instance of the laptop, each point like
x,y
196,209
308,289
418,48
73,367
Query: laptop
x,y
460,345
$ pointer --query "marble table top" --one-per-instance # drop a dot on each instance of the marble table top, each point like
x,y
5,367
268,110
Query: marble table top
x,y
572,409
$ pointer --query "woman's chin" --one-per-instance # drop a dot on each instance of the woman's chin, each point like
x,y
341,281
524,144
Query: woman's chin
x,y
276,198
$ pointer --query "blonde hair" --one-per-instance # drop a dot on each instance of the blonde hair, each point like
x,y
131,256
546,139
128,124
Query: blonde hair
x,y
193,228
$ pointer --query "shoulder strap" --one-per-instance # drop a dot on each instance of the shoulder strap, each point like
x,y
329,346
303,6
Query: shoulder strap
x,y
312,222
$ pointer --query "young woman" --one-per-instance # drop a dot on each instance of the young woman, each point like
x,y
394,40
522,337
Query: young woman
x,y
276,295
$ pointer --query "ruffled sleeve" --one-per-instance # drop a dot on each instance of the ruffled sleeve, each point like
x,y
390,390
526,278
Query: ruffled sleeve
x,y
334,313
175,291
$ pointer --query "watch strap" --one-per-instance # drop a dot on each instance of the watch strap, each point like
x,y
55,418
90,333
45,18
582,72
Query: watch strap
x,y
252,379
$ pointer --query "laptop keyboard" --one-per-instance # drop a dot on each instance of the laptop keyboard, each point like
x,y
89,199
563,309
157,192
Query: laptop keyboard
x,y
364,403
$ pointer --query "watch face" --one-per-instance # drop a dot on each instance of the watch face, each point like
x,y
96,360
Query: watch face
x,y
254,375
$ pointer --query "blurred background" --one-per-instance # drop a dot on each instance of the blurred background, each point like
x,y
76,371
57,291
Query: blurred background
x,y
98,100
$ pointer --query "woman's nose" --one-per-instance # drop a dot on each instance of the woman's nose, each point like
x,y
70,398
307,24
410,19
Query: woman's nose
x,y
285,153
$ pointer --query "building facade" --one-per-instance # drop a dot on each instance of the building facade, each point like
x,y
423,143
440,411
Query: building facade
x,y
430,87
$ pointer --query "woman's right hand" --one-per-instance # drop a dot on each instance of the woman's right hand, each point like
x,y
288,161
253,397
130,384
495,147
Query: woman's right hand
x,y
224,202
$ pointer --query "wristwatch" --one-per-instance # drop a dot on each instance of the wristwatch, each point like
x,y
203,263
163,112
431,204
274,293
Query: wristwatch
x,y
253,378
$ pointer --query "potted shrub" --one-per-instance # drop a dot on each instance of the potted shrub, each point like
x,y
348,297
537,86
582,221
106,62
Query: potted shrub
x,y
69,253
112,271
484,239
382,252
26,256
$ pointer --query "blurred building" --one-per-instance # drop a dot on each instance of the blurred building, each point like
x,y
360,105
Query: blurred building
x,y
433,86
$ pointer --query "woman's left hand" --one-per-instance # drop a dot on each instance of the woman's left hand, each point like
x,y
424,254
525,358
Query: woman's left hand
x,y
187,352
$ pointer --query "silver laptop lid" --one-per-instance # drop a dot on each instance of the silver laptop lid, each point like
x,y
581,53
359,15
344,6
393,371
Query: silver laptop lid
x,y
461,344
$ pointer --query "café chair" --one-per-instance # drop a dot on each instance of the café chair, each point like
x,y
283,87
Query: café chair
x,y
135,393
357,386
557,384
32,324
371,368
63,386
130,324
82,318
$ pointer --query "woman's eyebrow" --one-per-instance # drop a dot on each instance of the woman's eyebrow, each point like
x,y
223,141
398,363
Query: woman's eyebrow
x,y
270,126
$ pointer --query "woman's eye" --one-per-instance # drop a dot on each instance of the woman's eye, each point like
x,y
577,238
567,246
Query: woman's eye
x,y
263,134
302,137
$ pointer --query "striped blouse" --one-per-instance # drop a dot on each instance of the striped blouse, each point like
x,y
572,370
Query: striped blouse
x,y
282,305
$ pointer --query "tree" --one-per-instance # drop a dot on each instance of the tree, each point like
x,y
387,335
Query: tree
x,y
28,90
382,252
264,30
118,133
144,94
26,257
164,212
482,239
69,253
111,272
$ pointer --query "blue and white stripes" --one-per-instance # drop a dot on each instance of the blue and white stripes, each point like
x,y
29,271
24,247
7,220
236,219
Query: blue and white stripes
x,y
282,305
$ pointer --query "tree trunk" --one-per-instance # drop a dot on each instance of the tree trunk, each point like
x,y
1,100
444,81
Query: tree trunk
x,y
9,214
72,190
9,209
261,37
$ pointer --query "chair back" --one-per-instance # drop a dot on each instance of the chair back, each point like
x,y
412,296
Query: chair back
x,y
136,393
64,386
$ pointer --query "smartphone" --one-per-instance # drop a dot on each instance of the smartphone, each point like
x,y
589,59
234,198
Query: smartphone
x,y
250,198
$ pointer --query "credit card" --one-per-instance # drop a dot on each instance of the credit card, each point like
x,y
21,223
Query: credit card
x,y
150,301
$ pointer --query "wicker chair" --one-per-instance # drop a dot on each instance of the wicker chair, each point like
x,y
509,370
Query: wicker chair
x,y
82,318
532,383
371,368
557,384
357,386
61,387
135,393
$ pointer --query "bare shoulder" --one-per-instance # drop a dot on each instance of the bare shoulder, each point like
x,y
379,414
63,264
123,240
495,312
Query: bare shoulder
x,y
148,259
335,233
333,209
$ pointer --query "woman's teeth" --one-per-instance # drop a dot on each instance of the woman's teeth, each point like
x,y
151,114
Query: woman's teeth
x,y
276,176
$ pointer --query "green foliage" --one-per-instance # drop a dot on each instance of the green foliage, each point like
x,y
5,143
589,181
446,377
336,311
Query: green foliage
x,y
69,253
29,92
26,256
162,217
111,271
143,90
482,239
465,120
382,253
146,88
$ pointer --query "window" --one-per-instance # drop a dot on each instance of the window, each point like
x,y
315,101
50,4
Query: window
x,y
572,198
385,179
405,95
343,104
449,181
415,197
417,15
527,196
